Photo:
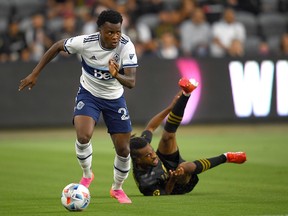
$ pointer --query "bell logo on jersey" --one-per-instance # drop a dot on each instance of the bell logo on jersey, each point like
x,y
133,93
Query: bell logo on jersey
x,y
103,75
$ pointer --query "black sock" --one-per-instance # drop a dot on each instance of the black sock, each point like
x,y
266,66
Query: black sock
x,y
204,164
176,115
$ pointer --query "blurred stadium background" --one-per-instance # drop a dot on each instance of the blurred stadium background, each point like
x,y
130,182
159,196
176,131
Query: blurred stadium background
x,y
248,87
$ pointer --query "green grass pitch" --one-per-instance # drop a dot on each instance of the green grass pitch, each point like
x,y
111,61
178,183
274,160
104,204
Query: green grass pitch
x,y
36,164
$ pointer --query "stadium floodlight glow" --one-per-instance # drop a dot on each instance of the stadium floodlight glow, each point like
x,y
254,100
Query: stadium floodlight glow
x,y
189,68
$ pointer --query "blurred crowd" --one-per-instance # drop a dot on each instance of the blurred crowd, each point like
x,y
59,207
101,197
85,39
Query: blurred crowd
x,y
164,28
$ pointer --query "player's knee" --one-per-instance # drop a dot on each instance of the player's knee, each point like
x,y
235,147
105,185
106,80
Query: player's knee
x,y
123,151
166,137
189,167
84,139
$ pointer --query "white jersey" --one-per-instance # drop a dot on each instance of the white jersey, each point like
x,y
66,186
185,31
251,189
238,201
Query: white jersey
x,y
96,77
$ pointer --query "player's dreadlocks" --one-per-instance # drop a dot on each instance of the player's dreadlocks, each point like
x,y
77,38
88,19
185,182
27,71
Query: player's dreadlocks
x,y
109,16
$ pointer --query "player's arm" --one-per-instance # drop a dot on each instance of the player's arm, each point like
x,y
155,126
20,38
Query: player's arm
x,y
31,79
170,186
154,123
174,176
128,79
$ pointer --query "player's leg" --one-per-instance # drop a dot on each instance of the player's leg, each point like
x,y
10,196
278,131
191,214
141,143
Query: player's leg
x,y
84,126
118,122
121,160
201,165
168,144
86,115
121,166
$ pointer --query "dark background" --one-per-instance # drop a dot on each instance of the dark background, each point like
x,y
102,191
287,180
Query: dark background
x,y
51,101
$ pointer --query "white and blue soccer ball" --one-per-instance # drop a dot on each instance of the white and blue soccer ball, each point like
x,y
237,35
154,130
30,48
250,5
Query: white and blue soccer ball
x,y
75,197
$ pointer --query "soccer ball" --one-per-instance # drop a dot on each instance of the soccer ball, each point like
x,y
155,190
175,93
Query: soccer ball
x,y
75,197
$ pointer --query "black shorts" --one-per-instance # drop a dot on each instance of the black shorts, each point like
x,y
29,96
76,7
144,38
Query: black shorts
x,y
171,162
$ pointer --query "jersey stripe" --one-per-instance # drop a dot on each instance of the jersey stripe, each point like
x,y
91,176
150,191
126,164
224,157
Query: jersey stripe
x,y
130,65
87,68
123,40
91,38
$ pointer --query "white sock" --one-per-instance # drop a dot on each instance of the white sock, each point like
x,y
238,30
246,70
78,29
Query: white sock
x,y
84,156
225,155
121,171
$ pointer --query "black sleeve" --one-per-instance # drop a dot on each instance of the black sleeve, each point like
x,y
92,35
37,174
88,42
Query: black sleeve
x,y
147,135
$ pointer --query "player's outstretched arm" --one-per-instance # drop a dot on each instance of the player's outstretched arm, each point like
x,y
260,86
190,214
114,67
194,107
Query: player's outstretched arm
x,y
154,123
31,79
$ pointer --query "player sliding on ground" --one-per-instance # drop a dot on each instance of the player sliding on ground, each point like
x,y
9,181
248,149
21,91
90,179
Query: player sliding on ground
x,y
165,172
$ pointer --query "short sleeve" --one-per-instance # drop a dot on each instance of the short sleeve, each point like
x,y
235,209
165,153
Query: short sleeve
x,y
74,44
129,56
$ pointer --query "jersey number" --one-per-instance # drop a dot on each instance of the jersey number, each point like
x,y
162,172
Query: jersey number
x,y
124,115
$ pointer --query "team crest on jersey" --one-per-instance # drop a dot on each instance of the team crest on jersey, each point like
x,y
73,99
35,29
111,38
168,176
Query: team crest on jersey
x,y
116,57
131,56
80,105
156,193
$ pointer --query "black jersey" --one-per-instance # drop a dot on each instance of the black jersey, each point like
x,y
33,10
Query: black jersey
x,y
153,181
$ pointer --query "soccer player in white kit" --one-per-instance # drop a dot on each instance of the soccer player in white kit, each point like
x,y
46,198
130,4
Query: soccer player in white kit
x,y
109,63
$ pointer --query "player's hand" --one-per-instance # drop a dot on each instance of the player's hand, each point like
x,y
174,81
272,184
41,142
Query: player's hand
x,y
178,173
113,67
29,82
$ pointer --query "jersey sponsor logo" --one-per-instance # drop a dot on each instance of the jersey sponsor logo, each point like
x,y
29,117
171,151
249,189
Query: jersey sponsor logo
x,y
104,75
99,74
80,105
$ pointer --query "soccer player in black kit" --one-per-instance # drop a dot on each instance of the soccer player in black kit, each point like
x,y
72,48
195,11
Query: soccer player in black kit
x,y
165,172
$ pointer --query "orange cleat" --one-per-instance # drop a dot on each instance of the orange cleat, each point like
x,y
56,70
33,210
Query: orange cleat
x,y
188,85
236,157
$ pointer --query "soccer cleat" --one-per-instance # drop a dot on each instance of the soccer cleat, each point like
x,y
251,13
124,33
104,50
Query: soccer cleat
x,y
188,85
236,157
120,196
87,181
